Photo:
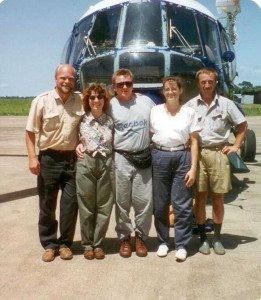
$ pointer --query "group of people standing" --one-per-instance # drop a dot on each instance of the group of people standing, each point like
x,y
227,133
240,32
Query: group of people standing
x,y
130,152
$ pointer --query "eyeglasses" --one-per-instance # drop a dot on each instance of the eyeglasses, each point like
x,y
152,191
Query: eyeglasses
x,y
167,90
99,97
121,85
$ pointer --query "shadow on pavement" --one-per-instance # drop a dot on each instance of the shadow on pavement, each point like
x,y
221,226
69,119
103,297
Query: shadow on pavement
x,y
18,195
232,241
238,187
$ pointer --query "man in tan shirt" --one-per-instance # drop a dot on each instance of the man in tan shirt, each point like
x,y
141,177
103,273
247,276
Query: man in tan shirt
x,y
54,118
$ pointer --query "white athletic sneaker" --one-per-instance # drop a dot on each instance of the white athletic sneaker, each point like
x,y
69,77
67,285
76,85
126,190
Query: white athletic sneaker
x,y
163,250
181,254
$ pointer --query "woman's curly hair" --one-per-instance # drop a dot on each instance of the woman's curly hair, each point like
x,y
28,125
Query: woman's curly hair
x,y
99,90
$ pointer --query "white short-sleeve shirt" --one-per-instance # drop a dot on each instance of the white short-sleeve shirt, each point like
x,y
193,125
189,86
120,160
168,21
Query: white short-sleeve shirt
x,y
215,120
172,131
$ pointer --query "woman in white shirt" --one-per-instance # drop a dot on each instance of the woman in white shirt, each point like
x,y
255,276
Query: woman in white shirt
x,y
174,130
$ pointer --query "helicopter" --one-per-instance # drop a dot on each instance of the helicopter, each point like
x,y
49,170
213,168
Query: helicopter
x,y
154,39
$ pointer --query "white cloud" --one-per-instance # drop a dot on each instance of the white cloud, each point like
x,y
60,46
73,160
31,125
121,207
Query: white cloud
x,y
1,1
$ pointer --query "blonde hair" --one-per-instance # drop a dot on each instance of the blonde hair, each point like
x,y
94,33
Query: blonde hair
x,y
122,72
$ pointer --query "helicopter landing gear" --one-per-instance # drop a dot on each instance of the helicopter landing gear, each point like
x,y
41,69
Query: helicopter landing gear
x,y
248,148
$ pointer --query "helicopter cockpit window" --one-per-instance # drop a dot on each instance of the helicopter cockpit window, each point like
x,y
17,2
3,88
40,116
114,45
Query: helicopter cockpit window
x,y
211,40
182,30
104,32
146,30
78,45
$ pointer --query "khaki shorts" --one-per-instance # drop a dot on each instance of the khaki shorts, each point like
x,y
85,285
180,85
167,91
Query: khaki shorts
x,y
214,172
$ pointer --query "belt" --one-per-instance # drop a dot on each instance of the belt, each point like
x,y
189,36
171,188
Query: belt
x,y
170,149
57,152
132,152
97,154
214,148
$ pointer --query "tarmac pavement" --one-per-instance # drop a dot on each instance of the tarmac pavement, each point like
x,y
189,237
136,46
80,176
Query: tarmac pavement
x,y
24,275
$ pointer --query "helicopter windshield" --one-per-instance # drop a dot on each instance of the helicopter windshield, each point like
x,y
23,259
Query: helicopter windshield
x,y
104,32
147,28
152,38
182,28
95,34
77,44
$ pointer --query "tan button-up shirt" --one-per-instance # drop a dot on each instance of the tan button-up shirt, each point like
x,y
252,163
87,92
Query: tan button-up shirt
x,y
57,123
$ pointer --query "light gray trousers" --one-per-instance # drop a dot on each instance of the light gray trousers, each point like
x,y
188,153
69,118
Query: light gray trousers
x,y
133,189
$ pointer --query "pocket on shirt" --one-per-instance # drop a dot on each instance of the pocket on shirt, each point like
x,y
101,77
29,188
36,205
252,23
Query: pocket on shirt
x,y
219,124
51,121
77,116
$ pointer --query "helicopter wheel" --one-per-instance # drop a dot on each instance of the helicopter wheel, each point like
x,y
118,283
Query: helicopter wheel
x,y
248,148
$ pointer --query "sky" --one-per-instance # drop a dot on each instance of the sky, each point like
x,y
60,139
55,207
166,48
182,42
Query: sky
x,y
33,34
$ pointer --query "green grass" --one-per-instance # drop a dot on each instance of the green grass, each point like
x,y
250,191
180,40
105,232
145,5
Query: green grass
x,y
252,109
20,107
15,106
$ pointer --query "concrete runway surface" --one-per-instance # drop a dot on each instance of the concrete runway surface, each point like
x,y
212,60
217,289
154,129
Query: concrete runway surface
x,y
236,275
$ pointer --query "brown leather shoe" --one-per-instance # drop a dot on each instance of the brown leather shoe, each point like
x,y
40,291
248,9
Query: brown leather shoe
x,y
88,254
125,248
141,249
65,253
99,253
49,255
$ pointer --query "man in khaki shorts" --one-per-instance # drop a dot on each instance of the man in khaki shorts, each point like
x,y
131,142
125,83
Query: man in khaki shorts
x,y
216,116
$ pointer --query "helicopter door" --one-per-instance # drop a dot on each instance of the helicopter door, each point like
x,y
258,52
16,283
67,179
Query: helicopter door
x,y
211,44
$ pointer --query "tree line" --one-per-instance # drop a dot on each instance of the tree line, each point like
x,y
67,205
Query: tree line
x,y
246,87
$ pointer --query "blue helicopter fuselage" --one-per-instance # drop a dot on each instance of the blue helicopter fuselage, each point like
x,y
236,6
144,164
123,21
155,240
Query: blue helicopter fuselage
x,y
152,38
